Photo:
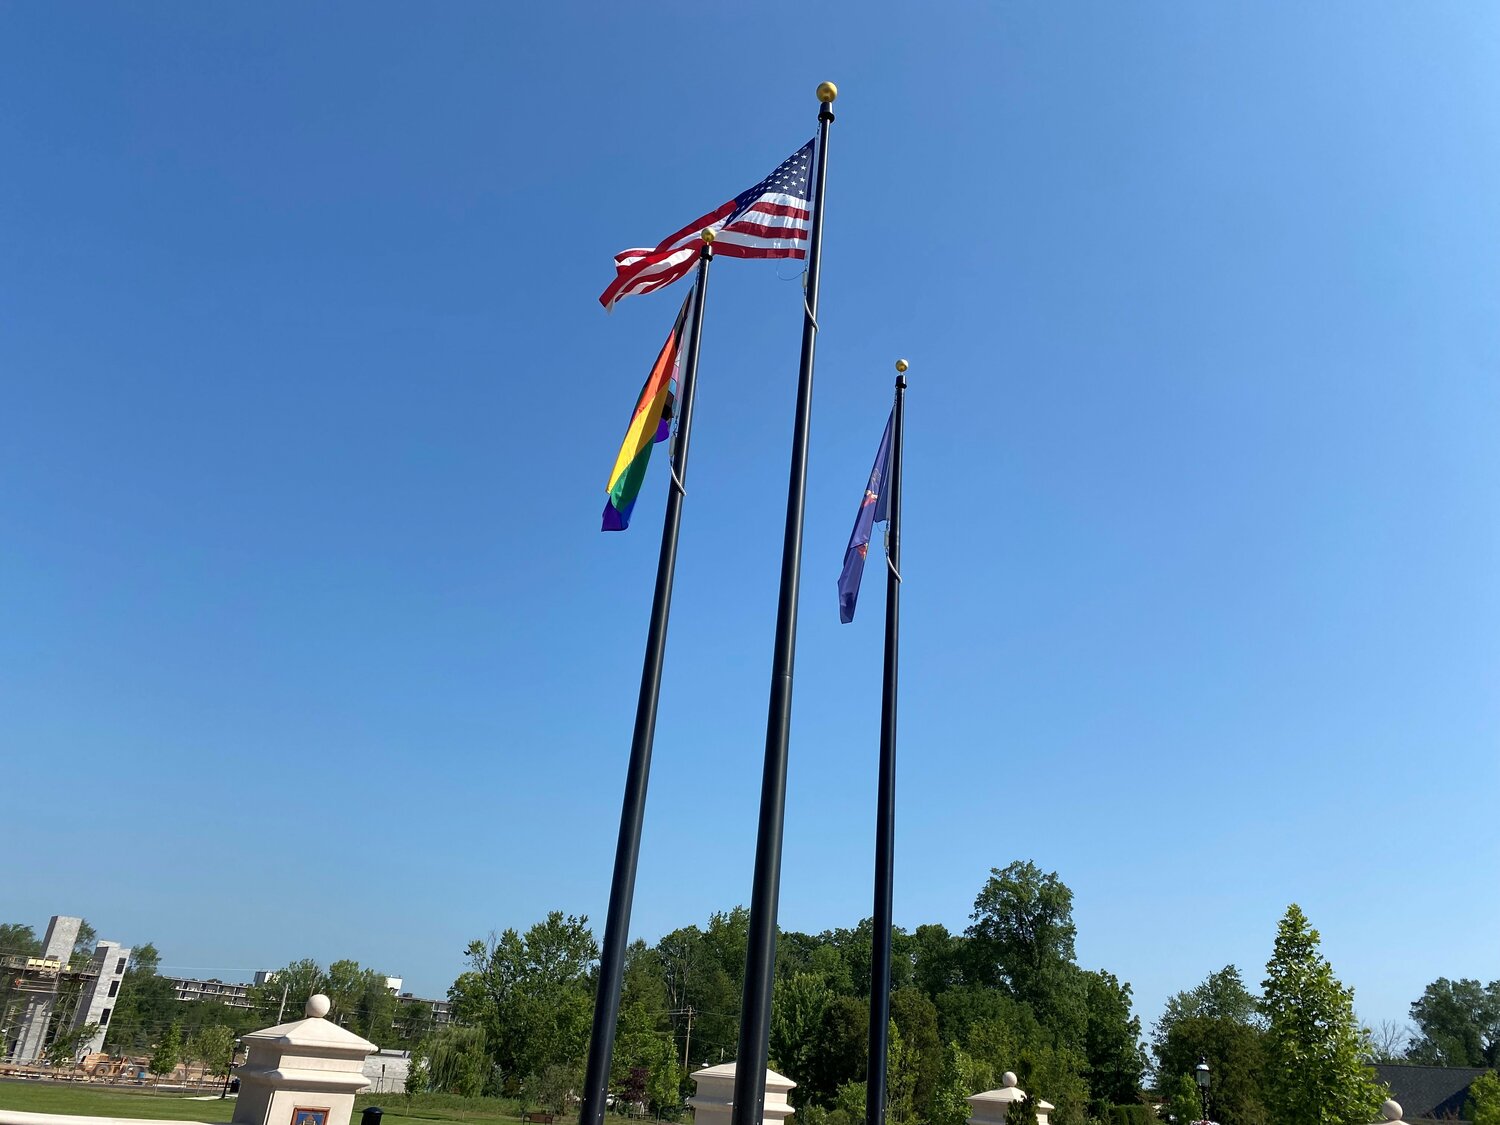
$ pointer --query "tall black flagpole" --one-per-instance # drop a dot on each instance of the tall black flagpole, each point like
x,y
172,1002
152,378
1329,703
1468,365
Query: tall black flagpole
x,y
628,848
885,814
760,953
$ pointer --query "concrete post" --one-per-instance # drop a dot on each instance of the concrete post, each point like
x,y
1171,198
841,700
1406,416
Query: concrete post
x,y
992,1106
714,1100
302,1073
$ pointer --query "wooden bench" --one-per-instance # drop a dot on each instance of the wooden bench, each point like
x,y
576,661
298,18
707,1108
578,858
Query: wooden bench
x,y
539,1118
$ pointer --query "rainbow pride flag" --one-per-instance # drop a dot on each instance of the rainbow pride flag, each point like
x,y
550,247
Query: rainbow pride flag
x,y
651,423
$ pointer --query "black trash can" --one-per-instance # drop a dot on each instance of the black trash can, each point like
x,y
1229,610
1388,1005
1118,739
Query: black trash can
x,y
371,1115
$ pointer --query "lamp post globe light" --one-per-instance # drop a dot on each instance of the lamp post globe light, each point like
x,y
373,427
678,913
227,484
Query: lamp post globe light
x,y
1200,1072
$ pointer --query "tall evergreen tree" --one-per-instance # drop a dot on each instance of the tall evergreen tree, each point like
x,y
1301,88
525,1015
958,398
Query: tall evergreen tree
x,y
1313,1042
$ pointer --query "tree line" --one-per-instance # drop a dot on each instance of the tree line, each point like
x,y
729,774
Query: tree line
x,y
1006,993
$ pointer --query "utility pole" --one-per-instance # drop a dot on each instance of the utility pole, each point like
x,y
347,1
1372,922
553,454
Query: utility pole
x,y
281,1015
687,1043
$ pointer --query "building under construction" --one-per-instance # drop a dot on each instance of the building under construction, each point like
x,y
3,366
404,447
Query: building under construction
x,y
46,998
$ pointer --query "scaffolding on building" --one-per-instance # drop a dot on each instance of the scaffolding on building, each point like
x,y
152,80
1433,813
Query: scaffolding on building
x,y
32,986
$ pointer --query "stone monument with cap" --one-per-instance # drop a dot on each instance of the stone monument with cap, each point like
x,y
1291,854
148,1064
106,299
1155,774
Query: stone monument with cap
x,y
302,1073
992,1106
713,1103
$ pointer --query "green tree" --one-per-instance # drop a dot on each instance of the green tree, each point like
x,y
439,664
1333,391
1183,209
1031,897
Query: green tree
x,y
209,1047
412,1021
849,1102
901,1073
1483,1106
550,1089
644,1049
64,1049
842,1049
1185,1103
18,940
922,1051
293,984
704,970
1022,940
452,1060
531,994
1222,996
1024,1112
963,1076
936,958
1458,1024
168,1053
963,1008
1236,1058
145,958
1314,1075
83,944
145,1006
1112,1040
798,1003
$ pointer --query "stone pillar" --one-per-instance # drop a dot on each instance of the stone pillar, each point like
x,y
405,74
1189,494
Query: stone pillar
x,y
715,1097
992,1106
62,936
301,1073
98,999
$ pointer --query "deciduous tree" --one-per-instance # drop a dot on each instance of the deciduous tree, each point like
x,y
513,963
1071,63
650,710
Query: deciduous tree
x,y
1022,939
1483,1107
531,994
168,1053
18,940
1458,1023
209,1047
1223,996
1112,1040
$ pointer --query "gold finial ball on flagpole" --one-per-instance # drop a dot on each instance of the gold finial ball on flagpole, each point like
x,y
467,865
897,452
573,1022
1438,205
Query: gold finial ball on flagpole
x,y
902,365
709,235
827,92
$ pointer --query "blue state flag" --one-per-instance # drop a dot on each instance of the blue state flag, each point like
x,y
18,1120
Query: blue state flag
x,y
873,509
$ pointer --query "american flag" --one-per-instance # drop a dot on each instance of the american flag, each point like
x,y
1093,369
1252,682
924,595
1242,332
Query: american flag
x,y
768,221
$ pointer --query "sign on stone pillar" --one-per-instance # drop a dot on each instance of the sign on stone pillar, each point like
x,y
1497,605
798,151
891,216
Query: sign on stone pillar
x,y
302,1073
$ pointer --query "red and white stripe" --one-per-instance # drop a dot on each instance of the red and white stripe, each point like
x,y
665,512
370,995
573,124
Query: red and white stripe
x,y
774,226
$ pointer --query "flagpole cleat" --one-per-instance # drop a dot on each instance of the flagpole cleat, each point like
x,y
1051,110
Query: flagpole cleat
x,y
827,92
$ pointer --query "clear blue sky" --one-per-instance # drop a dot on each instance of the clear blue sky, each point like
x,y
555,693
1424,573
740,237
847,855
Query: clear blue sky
x,y
307,406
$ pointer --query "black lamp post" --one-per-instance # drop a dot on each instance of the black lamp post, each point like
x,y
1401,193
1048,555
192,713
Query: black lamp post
x,y
233,1047
1200,1072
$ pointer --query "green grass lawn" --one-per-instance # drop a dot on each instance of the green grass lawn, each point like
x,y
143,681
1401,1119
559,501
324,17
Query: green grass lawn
x,y
98,1101
101,1101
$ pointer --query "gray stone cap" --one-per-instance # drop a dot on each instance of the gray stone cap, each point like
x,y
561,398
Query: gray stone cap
x,y
314,1032
299,1078
774,1081
1007,1093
